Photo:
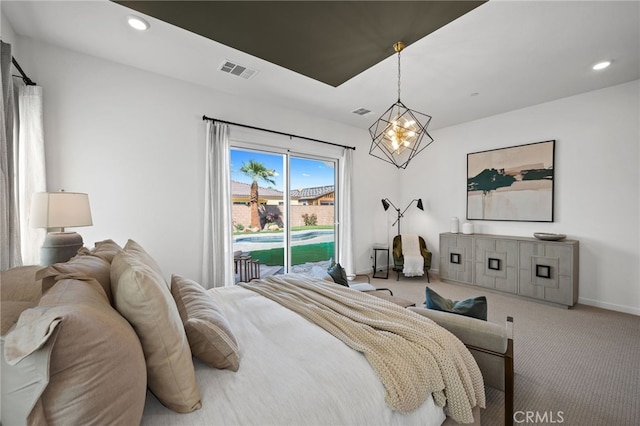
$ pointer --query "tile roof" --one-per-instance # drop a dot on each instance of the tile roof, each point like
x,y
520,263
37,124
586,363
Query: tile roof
x,y
240,189
312,193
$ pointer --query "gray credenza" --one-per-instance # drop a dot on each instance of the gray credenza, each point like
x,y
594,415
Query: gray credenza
x,y
543,270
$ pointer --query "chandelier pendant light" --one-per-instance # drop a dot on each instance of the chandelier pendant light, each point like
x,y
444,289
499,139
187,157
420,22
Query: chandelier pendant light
x,y
400,133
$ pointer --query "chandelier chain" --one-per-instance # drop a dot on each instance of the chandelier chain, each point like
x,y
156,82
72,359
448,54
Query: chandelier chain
x,y
398,76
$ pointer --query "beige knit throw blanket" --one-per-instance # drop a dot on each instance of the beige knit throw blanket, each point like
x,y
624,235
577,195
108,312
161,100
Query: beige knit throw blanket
x,y
412,355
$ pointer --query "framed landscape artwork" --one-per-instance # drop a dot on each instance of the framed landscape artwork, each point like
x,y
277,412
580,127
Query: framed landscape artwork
x,y
514,183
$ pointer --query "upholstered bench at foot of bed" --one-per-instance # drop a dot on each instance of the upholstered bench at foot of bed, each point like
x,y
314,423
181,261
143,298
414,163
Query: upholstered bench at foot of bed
x,y
405,303
490,344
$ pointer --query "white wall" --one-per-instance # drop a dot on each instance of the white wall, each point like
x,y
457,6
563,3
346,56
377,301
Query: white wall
x,y
8,35
134,141
597,184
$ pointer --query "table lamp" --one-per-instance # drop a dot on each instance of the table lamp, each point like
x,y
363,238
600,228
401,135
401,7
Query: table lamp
x,y
60,210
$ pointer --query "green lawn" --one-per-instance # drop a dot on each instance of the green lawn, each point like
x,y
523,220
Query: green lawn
x,y
299,254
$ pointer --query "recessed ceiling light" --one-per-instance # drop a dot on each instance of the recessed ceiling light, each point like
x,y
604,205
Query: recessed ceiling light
x,y
137,22
601,65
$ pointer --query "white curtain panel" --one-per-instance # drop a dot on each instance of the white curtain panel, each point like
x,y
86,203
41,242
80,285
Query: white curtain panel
x,y
31,168
217,261
22,166
9,218
345,213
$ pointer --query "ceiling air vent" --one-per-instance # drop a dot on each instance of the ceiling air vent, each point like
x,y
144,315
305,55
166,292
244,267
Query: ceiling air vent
x,y
237,70
361,111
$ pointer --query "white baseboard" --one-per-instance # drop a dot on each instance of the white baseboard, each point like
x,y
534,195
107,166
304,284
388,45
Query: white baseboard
x,y
610,306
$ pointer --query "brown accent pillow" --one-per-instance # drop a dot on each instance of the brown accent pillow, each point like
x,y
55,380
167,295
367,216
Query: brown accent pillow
x,y
81,267
96,371
141,295
208,331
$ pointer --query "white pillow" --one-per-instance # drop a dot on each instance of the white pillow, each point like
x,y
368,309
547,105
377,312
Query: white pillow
x,y
320,273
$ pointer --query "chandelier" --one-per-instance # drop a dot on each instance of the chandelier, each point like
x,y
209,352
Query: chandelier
x,y
399,134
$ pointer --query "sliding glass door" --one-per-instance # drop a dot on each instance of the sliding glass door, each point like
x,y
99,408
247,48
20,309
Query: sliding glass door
x,y
312,210
283,209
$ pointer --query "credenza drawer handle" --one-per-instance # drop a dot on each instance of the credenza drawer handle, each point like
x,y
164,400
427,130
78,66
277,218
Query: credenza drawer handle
x,y
543,271
493,264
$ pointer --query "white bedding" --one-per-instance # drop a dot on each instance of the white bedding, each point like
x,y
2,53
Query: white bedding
x,y
291,373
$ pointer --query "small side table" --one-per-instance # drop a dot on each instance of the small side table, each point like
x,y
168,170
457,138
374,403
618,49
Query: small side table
x,y
242,267
384,249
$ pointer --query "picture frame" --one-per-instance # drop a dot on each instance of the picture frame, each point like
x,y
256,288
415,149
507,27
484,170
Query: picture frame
x,y
512,184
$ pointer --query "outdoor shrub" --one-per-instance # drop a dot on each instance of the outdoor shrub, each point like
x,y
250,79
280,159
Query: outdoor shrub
x,y
272,217
239,227
310,219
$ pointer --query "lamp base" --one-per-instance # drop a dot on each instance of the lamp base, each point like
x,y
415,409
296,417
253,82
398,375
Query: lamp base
x,y
59,247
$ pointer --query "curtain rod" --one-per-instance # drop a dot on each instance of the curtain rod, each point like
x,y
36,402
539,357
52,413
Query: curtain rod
x,y
204,117
26,79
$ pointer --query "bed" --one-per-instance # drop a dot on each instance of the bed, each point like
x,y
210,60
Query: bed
x,y
292,371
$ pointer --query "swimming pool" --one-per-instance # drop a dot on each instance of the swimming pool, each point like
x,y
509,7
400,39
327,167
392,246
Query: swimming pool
x,y
278,238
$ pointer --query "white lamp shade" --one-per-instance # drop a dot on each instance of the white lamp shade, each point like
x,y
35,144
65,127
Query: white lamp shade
x,y
60,210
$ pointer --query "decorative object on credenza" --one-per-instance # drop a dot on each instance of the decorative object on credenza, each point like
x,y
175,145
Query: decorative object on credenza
x,y
514,183
545,236
455,225
467,228
386,203
399,134
60,210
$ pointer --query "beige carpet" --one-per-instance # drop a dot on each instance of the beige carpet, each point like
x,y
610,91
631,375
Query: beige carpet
x,y
578,366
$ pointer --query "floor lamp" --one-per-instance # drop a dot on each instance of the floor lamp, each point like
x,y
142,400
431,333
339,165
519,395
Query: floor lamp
x,y
60,210
386,203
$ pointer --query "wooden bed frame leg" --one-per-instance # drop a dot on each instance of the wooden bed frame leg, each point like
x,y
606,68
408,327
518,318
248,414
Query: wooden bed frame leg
x,y
509,377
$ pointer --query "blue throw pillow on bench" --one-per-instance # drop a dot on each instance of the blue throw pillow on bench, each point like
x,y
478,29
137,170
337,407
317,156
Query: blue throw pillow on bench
x,y
476,307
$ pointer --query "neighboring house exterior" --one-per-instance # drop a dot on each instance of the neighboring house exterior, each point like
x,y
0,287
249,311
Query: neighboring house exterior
x,y
240,194
316,196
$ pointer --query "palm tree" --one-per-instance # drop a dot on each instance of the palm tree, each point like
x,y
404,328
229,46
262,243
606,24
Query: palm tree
x,y
256,170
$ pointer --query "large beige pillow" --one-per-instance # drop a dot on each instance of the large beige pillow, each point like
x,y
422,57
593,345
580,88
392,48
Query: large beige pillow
x,y
96,371
20,284
208,331
106,249
19,290
140,253
143,298
80,267
10,311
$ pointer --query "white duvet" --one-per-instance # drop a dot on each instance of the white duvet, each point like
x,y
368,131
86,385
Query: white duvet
x,y
291,372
